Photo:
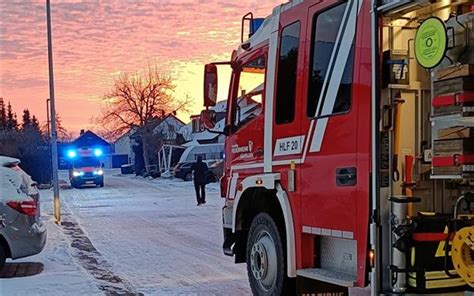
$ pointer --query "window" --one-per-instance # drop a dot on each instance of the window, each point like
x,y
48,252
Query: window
x,y
83,162
203,155
251,88
326,27
195,125
286,81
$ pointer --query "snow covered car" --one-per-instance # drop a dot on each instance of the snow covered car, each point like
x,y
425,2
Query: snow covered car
x,y
22,232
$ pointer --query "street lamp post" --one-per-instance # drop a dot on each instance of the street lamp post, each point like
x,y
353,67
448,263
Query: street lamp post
x,y
47,117
54,144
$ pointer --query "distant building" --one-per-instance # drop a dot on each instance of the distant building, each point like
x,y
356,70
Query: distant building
x,y
195,133
123,153
159,132
87,139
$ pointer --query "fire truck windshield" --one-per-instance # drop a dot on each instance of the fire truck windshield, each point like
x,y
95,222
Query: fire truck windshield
x,y
83,162
248,101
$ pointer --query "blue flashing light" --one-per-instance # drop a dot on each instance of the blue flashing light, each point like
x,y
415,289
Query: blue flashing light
x,y
98,152
71,154
255,24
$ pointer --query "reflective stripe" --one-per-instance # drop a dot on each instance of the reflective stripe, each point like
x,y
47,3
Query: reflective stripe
x,y
269,93
328,232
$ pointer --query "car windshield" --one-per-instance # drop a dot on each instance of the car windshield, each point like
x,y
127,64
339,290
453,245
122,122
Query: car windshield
x,y
86,162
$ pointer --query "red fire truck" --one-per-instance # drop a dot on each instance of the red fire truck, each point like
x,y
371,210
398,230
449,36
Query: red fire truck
x,y
357,170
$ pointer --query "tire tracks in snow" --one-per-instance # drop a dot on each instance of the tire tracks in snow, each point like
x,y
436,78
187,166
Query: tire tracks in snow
x,y
93,262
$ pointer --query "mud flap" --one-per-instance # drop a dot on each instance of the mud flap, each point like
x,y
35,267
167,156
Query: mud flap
x,y
310,287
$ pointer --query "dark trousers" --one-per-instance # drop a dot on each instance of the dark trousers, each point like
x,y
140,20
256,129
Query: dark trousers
x,y
200,192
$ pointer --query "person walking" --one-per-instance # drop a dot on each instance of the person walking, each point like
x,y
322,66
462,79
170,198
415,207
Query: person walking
x,y
200,175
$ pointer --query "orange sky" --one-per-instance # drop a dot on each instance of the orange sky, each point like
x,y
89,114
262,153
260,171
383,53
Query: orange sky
x,y
94,41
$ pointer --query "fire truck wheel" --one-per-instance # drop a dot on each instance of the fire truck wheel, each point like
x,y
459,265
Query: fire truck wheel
x,y
265,257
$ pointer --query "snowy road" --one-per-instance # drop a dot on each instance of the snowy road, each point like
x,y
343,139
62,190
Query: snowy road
x,y
146,236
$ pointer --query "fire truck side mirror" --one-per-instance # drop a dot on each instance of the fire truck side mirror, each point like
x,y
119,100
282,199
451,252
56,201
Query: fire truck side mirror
x,y
208,119
210,85
227,130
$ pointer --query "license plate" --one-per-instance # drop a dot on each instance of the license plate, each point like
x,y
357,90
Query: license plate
x,y
89,182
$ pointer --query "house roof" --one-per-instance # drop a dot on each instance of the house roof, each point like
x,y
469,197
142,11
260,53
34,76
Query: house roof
x,y
153,124
89,139
126,134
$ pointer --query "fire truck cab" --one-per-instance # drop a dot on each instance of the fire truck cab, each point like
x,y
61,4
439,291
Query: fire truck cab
x,y
357,170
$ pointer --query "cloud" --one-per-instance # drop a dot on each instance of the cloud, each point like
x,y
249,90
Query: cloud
x,y
93,40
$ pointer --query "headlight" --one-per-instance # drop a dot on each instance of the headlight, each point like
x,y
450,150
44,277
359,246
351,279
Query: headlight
x,y
77,174
99,172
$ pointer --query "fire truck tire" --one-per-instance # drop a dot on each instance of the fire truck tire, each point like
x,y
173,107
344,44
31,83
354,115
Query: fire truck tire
x,y
266,258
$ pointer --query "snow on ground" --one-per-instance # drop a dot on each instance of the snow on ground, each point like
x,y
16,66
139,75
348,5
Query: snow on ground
x,y
144,236
61,275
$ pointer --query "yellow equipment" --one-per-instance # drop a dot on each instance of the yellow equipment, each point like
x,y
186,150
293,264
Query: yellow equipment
x,y
462,254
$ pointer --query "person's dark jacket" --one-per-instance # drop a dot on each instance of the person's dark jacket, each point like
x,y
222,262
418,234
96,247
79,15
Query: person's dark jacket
x,y
200,171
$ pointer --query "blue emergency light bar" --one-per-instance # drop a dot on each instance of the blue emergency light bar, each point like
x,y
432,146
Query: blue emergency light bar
x,y
98,152
255,24
71,153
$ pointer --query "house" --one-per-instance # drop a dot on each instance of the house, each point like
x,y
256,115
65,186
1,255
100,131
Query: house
x,y
123,153
195,133
88,139
157,133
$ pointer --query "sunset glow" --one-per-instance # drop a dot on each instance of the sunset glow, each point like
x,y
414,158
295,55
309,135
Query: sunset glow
x,y
96,41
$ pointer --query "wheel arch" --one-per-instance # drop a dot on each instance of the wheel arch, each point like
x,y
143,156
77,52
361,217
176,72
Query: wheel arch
x,y
4,242
264,193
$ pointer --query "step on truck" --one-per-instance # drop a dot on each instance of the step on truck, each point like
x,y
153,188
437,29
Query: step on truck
x,y
355,172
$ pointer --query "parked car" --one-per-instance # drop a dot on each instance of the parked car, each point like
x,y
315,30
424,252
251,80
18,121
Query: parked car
x,y
183,171
22,233
208,152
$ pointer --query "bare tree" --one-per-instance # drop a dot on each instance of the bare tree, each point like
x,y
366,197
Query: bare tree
x,y
62,133
136,100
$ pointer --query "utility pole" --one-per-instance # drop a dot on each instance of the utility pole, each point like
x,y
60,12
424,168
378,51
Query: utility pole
x,y
54,142
47,117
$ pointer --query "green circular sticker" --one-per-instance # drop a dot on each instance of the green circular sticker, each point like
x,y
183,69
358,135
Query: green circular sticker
x,y
431,42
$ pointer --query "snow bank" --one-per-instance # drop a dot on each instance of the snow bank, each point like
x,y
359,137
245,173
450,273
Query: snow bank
x,y
62,275
10,186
